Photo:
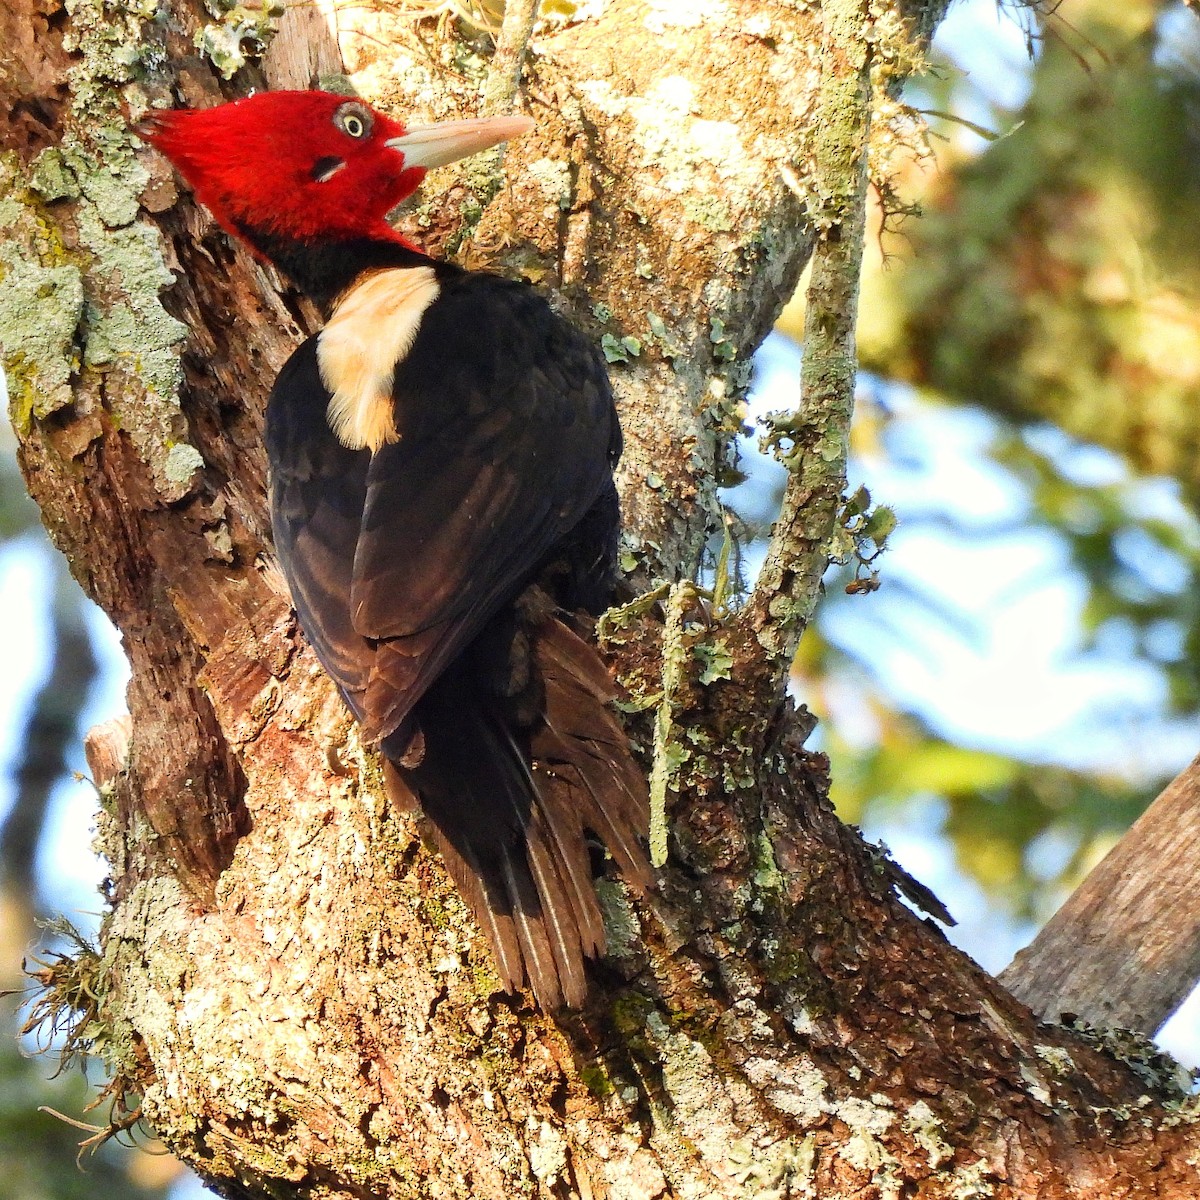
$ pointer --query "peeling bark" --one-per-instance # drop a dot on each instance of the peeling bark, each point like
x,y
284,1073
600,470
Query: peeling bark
x,y
287,976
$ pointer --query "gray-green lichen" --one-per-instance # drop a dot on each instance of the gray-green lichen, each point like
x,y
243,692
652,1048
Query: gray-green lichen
x,y
112,183
107,37
181,464
240,33
813,441
776,1170
669,752
767,876
40,311
868,1119
90,323
926,1129
134,336
716,660
697,161
704,1101
553,177
1056,1058
621,930
51,178
796,1087
972,1182
548,1156
686,14
1167,1078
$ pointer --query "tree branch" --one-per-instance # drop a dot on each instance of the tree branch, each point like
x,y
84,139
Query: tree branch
x,y
321,1018
1124,949
812,442
508,61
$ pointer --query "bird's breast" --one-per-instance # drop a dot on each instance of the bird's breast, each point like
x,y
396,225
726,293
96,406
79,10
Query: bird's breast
x,y
371,330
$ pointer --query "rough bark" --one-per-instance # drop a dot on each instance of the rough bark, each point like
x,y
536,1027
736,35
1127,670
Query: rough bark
x,y
286,976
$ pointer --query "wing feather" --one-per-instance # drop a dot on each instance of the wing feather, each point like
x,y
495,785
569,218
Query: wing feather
x,y
506,433
506,422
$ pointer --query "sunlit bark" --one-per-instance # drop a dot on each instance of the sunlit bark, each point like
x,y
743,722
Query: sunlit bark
x,y
286,976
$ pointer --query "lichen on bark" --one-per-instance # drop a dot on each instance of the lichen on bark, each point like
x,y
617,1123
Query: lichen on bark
x,y
96,269
294,984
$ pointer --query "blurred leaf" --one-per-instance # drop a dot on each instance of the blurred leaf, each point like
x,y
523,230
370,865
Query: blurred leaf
x,y
1056,274
951,770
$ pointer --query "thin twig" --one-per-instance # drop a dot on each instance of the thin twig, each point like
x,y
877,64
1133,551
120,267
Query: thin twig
x,y
812,442
508,61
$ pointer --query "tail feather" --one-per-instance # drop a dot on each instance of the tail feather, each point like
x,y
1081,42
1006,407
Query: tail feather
x,y
555,914
569,853
533,902
467,872
511,802
610,798
565,849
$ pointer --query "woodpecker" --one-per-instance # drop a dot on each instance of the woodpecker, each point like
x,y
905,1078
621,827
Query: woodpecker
x,y
443,509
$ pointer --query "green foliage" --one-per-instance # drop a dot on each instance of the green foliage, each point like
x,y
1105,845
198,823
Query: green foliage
x,y
1140,570
993,808
1054,275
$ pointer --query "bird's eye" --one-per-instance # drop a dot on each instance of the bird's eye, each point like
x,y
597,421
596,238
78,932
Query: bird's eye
x,y
354,120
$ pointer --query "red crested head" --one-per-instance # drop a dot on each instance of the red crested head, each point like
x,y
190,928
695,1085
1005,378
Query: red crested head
x,y
310,166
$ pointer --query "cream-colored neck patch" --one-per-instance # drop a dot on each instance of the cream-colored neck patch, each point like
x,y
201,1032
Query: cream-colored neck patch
x,y
371,330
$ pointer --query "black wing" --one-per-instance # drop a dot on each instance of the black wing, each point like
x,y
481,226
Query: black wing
x,y
396,560
318,489
507,437
397,563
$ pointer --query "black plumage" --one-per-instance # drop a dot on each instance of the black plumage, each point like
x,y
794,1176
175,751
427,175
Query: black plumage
x,y
435,579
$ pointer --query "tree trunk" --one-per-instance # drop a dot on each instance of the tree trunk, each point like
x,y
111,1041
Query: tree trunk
x,y
286,976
